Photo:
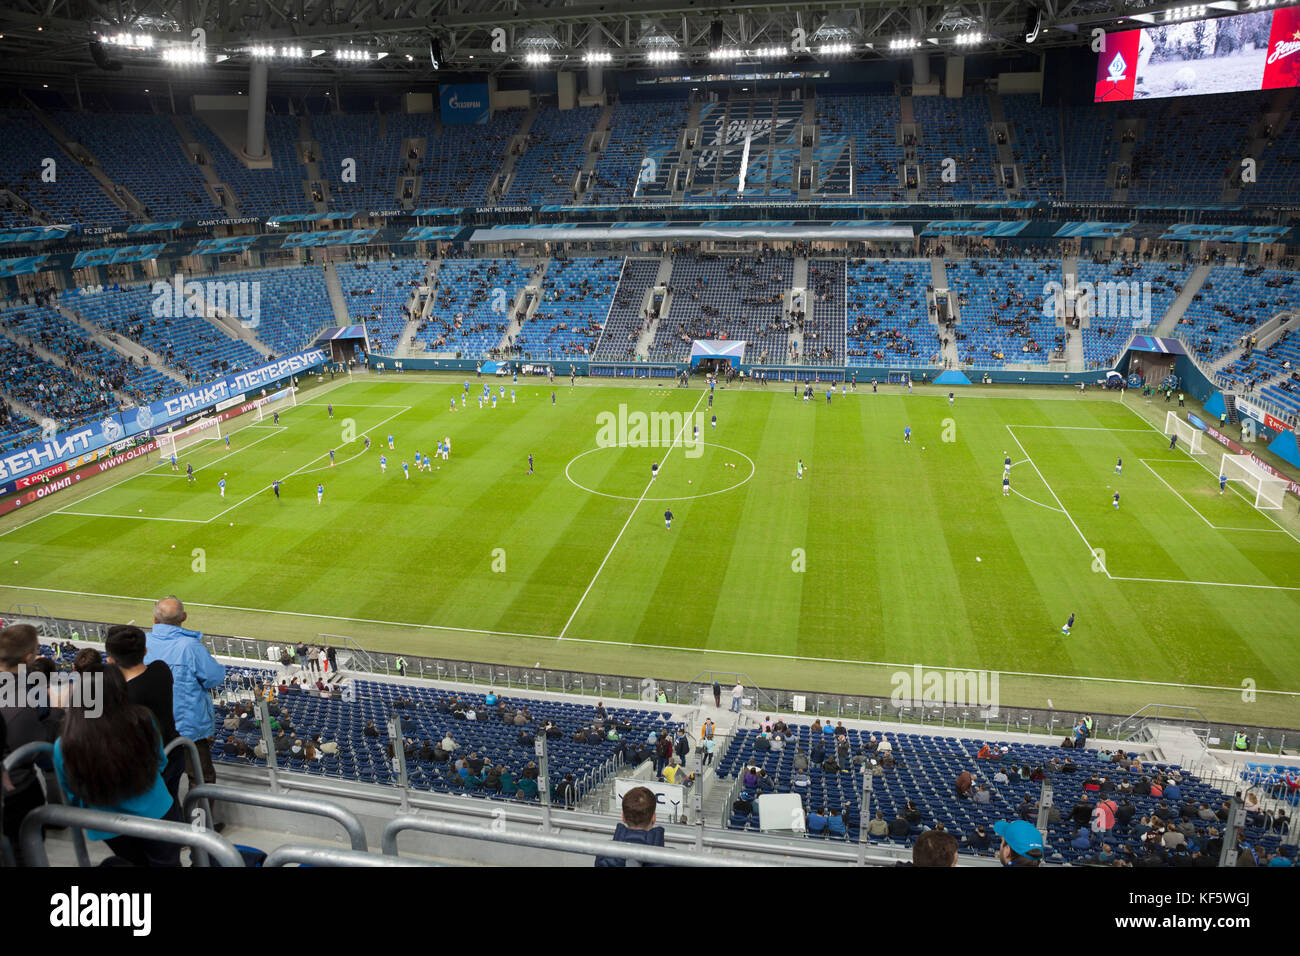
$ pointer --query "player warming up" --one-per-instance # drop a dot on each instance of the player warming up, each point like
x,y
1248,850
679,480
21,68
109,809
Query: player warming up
x,y
1173,441
1115,501
1119,466
530,464
907,435
390,443
189,473
175,467
406,470
222,485
383,464
799,470
320,493
331,457
1006,483
654,470
275,486
1223,483
668,520
1068,624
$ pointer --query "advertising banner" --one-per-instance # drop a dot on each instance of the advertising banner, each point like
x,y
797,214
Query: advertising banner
x,y
464,104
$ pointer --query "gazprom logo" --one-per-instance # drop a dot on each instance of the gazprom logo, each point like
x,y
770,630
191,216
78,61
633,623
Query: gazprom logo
x,y
456,103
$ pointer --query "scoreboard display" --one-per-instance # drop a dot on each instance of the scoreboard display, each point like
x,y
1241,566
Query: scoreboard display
x,y
1256,51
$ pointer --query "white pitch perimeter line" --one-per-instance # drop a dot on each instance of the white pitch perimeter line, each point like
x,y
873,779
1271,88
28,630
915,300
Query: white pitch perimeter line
x,y
1191,457
91,514
1192,506
1068,518
1210,584
690,418
659,647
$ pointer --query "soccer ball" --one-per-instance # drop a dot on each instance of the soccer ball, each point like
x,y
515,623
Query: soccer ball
x,y
979,559
689,481
173,547
232,524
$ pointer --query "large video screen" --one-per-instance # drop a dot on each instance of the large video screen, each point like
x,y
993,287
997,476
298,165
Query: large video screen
x,y
1256,51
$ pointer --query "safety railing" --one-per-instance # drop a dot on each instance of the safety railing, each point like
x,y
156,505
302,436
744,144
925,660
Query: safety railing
x,y
291,803
557,843
29,753
204,844
295,855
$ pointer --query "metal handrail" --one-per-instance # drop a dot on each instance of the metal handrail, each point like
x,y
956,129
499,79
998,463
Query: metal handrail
x,y
32,836
333,856
563,844
29,752
196,765
293,803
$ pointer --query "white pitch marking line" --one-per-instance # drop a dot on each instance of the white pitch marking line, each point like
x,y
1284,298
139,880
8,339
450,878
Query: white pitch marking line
x,y
661,647
1193,507
1210,470
690,418
91,514
1039,503
1092,551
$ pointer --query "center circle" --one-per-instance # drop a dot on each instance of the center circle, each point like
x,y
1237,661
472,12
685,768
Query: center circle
x,y
707,494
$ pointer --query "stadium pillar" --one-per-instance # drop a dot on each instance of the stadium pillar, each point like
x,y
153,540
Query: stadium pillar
x,y
268,741
255,135
543,781
399,759
1044,807
595,81
1232,832
921,58
864,814
920,68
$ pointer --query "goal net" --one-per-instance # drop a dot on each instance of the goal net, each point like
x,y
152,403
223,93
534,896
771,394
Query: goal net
x,y
1189,436
277,402
174,442
1269,490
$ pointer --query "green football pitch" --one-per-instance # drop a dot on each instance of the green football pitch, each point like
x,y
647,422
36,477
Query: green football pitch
x,y
884,554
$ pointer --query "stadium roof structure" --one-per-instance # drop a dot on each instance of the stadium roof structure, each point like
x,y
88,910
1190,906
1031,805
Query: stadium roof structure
x,y
315,39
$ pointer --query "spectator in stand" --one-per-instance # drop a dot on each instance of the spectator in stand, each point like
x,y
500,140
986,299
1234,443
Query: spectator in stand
x,y
935,848
19,646
149,685
1022,844
195,672
111,758
637,827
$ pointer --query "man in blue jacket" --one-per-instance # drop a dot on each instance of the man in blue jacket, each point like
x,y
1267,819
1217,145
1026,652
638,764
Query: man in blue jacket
x,y
194,674
638,826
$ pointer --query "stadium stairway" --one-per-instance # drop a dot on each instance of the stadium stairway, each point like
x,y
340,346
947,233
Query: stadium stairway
x,y
501,182
233,328
337,302
648,336
1005,157
219,193
404,344
122,345
45,354
1169,323
1075,358
118,195
526,300
939,279
799,281
595,145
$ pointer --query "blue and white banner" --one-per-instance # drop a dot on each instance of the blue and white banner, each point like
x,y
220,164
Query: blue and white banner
x,y
464,104
134,421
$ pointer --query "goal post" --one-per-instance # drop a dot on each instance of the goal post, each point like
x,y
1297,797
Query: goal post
x,y
275,402
176,441
1191,437
1269,490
